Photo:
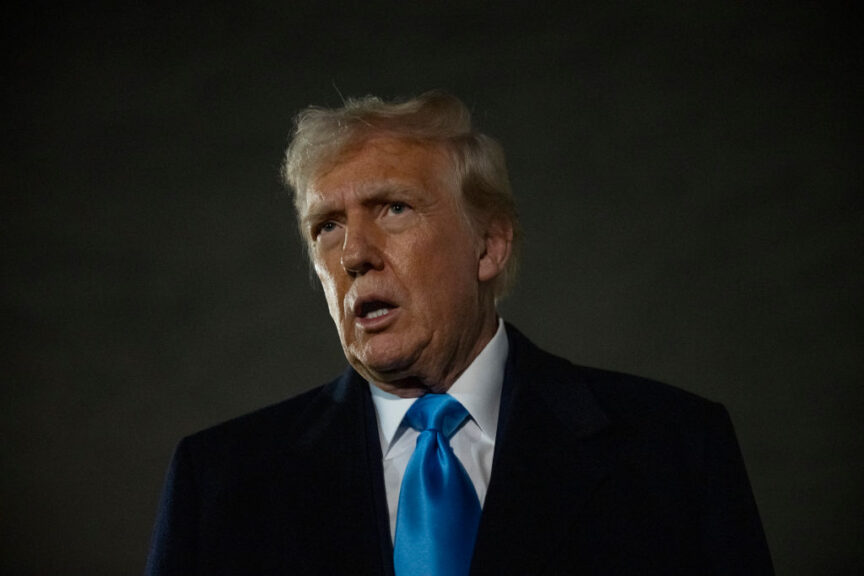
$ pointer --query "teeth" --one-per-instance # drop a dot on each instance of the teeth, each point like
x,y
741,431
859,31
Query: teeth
x,y
378,313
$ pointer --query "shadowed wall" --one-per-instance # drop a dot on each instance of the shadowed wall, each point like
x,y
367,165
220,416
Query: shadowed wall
x,y
688,175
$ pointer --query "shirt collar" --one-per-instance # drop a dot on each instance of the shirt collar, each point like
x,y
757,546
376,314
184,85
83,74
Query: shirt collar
x,y
478,389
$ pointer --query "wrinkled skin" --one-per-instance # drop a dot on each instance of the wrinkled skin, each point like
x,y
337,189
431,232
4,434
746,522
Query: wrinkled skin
x,y
408,281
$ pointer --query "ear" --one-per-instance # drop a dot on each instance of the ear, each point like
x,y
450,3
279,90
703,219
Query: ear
x,y
494,249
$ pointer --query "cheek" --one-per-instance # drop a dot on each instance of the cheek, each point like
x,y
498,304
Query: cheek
x,y
331,291
450,280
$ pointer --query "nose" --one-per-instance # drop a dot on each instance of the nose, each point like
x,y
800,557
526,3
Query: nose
x,y
361,249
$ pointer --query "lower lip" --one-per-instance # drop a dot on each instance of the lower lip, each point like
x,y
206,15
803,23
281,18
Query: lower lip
x,y
379,323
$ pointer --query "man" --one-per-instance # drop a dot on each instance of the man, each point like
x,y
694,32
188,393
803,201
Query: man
x,y
452,444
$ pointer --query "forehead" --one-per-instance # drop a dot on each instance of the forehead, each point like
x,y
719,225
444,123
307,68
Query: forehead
x,y
384,162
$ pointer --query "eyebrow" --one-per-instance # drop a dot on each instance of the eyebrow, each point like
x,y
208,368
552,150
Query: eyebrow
x,y
325,209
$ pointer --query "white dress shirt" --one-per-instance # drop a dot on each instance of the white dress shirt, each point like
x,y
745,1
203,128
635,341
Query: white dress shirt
x,y
478,389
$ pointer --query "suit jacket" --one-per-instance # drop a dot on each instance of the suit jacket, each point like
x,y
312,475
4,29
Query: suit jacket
x,y
594,472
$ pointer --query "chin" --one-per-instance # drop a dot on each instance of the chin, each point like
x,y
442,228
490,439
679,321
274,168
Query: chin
x,y
383,365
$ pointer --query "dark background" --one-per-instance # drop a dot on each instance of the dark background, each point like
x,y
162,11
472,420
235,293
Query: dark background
x,y
689,175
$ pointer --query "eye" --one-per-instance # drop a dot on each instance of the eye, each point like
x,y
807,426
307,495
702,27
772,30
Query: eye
x,y
398,208
323,228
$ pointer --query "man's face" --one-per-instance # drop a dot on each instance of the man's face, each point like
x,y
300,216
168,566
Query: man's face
x,y
408,283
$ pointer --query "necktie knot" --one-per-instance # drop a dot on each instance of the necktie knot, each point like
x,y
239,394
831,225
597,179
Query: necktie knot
x,y
439,412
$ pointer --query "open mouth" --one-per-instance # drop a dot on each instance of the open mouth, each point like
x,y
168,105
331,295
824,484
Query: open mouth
x,y
374,309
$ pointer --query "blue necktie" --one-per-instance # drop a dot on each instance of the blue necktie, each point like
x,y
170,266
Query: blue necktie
x,y
438,514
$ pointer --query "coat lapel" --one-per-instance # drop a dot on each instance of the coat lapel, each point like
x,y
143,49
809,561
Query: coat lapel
x,y
555,446
339,523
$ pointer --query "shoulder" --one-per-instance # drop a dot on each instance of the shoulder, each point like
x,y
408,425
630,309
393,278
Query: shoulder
x,y
255,437
624,398
639,402
261,422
